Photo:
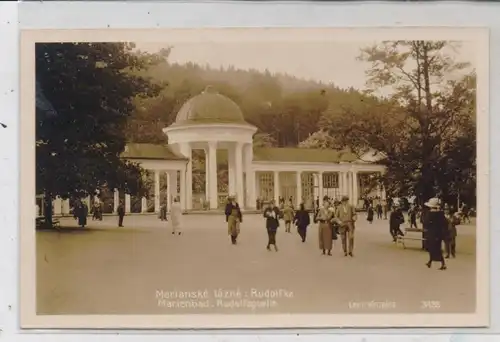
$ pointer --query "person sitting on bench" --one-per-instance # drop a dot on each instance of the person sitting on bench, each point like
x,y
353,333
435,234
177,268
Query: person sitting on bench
x,y
396,219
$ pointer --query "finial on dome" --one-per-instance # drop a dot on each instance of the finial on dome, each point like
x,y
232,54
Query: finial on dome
x,y
210,89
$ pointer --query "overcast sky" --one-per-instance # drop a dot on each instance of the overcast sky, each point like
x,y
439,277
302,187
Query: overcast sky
x,y
328,62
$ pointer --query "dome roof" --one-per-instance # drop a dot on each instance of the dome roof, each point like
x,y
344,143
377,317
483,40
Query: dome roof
x,y
209,107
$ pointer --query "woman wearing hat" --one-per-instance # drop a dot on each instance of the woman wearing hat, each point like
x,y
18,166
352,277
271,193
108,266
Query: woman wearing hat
x,y
436,226
323,218
272,216
233,218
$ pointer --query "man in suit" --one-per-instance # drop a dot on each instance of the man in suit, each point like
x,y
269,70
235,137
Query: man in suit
x,y
346,215
121,214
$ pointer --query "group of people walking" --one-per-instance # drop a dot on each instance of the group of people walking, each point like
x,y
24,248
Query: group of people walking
x,y
333,217
336,218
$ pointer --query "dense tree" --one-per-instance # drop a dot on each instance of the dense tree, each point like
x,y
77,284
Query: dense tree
x,y
91,87
425,129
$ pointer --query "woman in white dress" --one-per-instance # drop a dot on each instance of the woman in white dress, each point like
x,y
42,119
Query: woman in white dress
x,y
176,216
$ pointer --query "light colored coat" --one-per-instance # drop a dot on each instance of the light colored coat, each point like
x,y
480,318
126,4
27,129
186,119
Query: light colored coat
x,y
176,216
288,213
346,213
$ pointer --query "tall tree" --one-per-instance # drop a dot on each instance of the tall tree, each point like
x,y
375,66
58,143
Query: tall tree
x,y
417,126
91,87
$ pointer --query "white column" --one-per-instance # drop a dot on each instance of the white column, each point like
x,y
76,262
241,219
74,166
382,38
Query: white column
x,y
341,183
144,205
57,202
345,185
127,203
212,170
187,184
207,176
87,201
349,186
276,186
169,194
231,170
315,186
116,200
355,189
172,187
182,194
65,207
320,187
298,195
240,196
157,191
250,178
383,195
379,186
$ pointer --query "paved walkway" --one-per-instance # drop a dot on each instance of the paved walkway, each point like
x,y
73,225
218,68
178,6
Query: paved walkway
x,y
141,268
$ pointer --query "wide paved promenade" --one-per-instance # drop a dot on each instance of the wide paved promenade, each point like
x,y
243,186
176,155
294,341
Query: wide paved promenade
x,y
139,269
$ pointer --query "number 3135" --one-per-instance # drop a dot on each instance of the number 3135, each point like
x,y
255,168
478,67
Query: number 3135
x,y
430,304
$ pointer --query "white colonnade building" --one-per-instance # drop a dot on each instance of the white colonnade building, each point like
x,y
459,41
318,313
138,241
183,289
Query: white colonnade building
x,y
214,126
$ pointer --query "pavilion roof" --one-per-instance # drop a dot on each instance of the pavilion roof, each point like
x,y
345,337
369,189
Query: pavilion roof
x,y
150,151
263,154
287,154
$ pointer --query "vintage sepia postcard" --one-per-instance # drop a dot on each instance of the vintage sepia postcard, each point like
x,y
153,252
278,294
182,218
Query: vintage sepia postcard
x,y
254,178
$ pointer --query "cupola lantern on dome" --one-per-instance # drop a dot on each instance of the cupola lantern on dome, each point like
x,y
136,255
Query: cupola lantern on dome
x,y
210,107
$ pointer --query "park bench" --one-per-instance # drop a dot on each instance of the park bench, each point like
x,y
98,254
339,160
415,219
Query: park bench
x,y
41,223
402,239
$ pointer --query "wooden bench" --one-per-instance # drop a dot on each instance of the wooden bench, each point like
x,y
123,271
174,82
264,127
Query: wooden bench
x,y
401,239
40,223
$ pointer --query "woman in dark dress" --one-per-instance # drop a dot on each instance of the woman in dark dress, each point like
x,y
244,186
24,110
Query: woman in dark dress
x,y
80,212
369,216
272,215
302,221
436,227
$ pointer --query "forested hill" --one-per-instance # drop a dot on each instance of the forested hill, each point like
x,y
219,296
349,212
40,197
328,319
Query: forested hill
x,y
238,78
286,109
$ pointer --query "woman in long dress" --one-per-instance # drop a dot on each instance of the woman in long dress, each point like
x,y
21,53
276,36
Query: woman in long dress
x,y
302,220
81,212
369,215
272,216
323,218
437,228
288,216
176,216
233,219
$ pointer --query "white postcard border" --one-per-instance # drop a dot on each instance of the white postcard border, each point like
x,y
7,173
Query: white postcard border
x,y
29,319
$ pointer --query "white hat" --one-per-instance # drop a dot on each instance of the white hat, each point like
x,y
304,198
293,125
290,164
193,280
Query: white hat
x,y
433,203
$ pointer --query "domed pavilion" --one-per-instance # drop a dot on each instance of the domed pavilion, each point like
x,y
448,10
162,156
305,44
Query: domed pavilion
x,y
215,124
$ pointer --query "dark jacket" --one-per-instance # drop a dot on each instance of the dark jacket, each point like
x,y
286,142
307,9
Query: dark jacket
x,y
121,210
396,219
302,218
229,209
436,225
272,218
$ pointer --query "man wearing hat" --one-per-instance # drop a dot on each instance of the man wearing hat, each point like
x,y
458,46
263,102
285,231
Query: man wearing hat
x,y
346,215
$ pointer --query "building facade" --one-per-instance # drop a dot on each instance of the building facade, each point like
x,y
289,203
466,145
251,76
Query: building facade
x,y
213,127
